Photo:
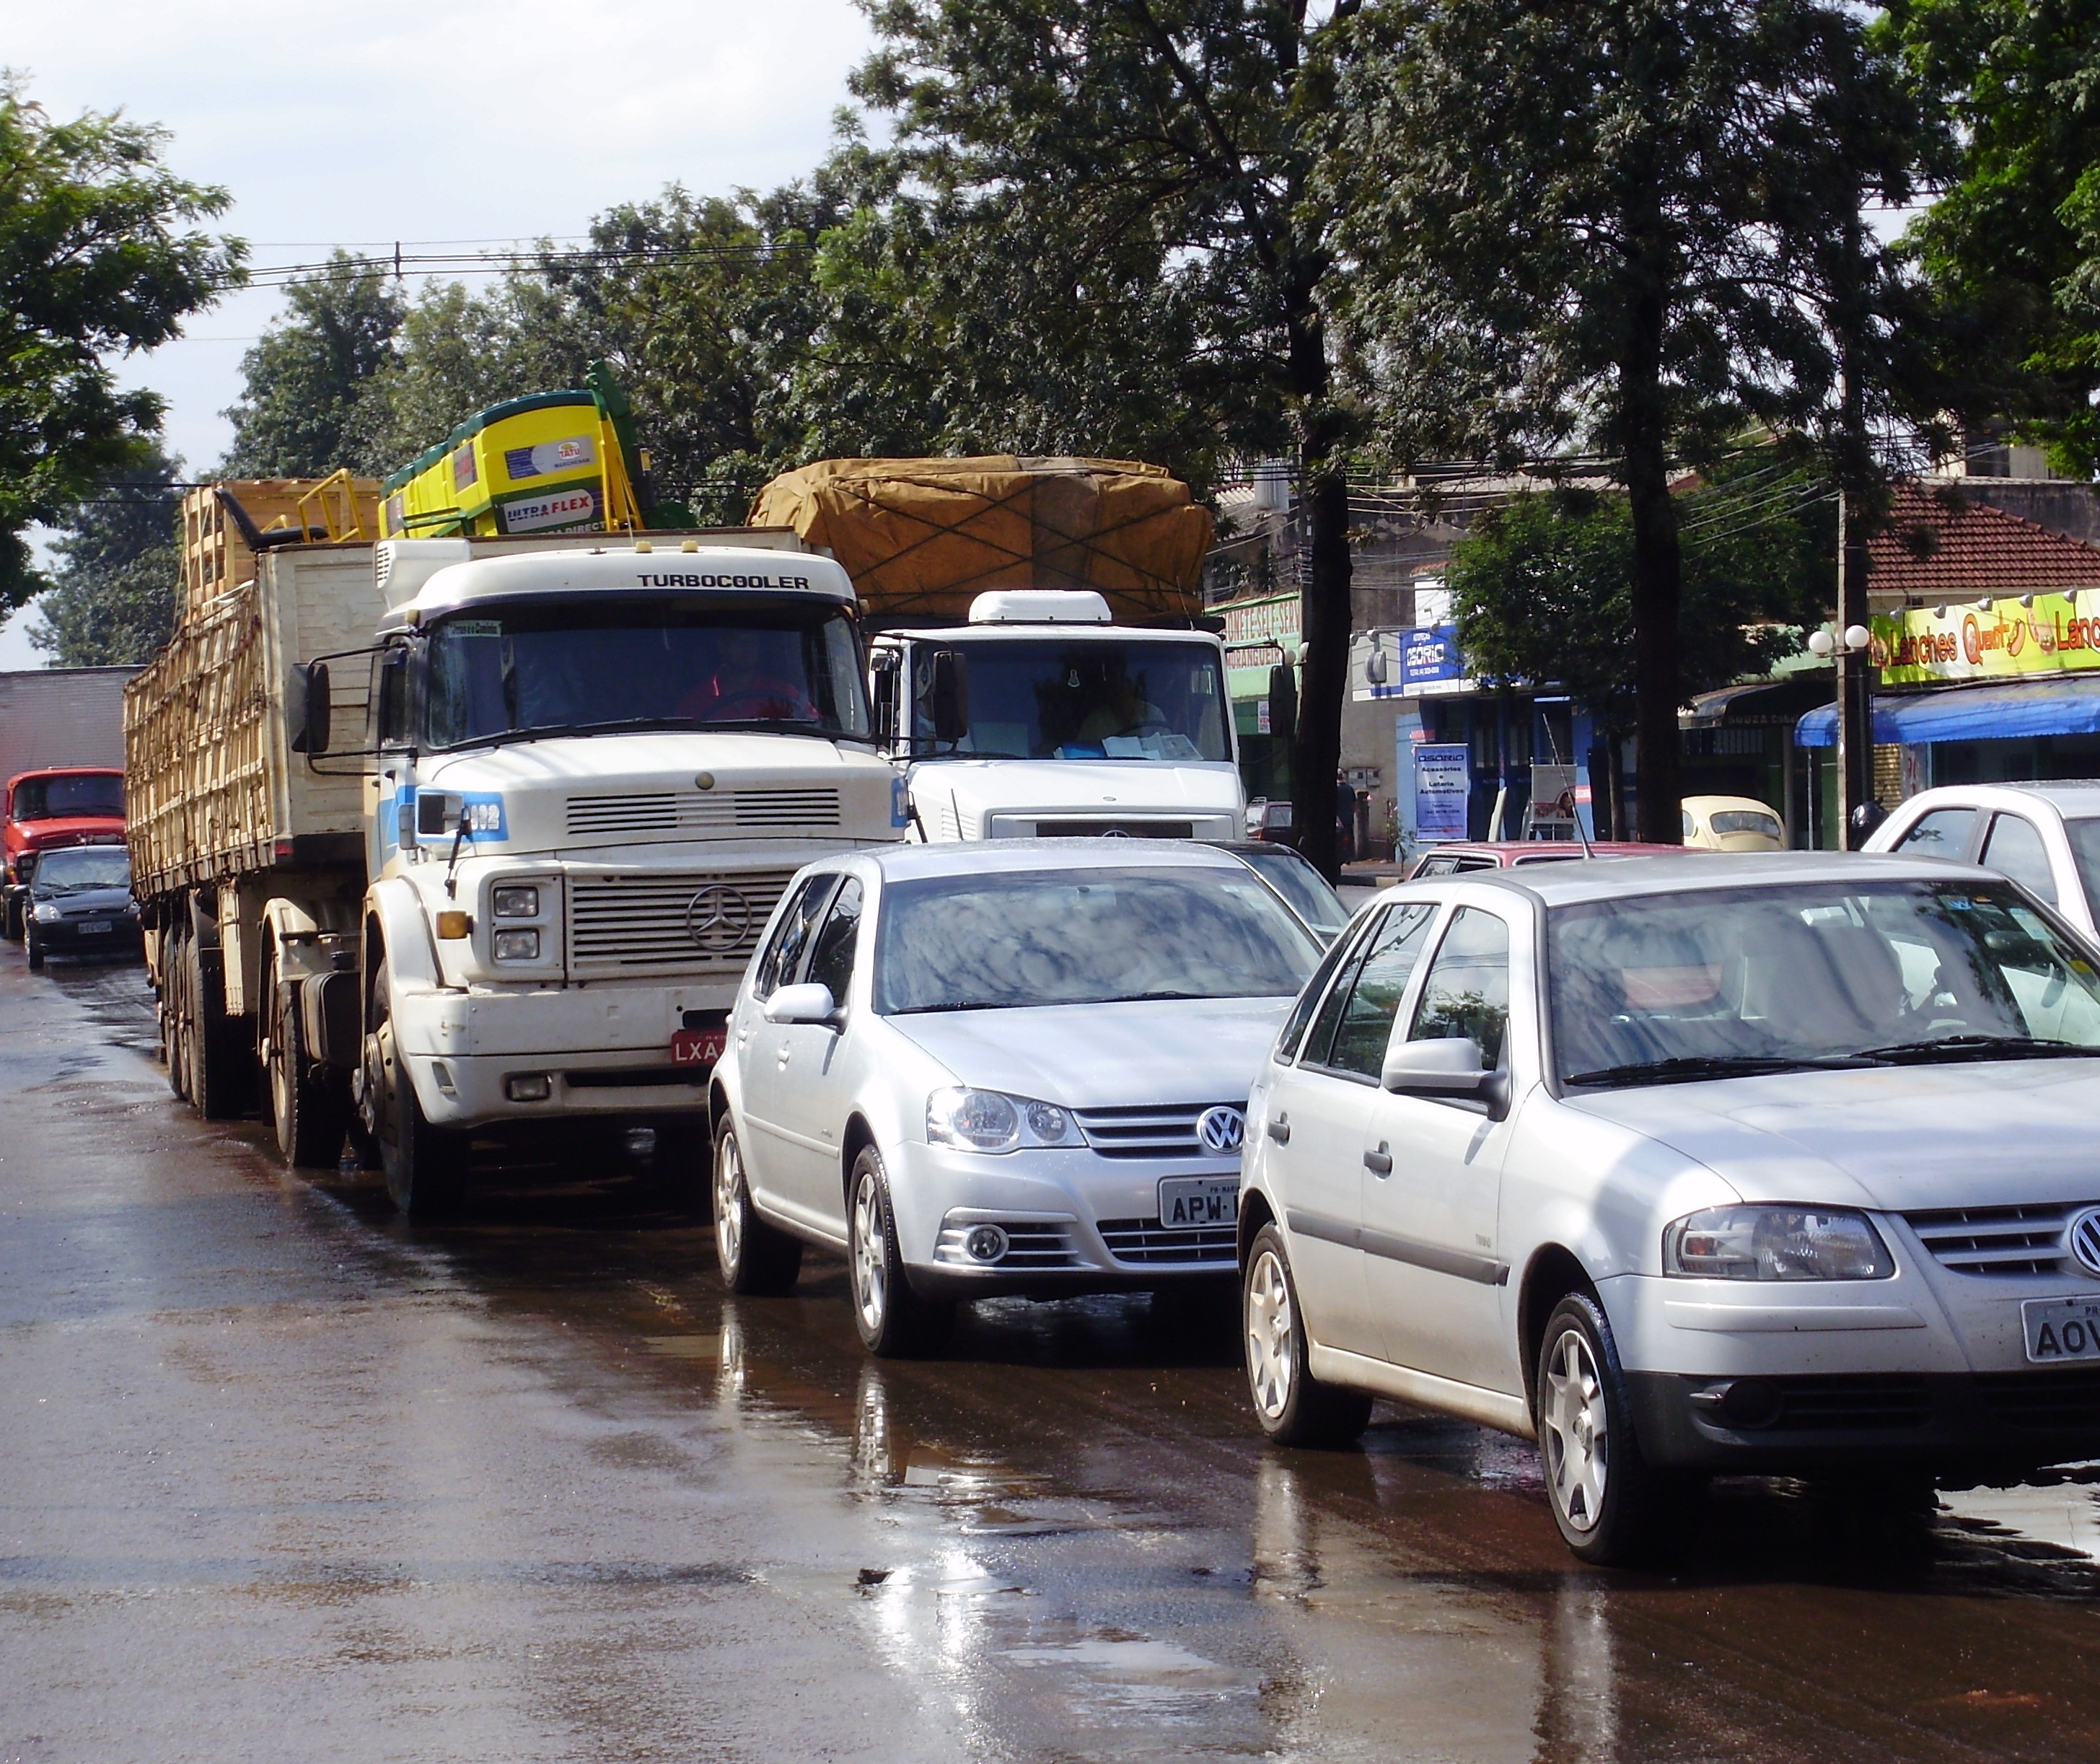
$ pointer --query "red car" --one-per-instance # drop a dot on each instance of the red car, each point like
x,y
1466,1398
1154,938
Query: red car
x,y
42,810
1499,854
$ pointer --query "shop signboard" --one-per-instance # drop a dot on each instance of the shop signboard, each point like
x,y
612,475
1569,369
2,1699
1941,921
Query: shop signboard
x,y
1443,787
1430,662
2002,640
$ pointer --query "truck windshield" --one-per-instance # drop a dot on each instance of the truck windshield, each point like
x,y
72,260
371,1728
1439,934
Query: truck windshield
x,y
1091,700
56,799
514,667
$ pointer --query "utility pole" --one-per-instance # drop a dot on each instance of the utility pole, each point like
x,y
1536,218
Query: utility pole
x,y
1857,812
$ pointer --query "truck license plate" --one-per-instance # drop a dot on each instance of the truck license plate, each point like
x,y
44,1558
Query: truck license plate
x,y
89,927
698,1047
2061,1329
1188,1203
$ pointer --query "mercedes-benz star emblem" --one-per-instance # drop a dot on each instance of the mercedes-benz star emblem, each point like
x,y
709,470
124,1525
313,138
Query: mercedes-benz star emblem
x,y
717,918
1222,1129
2082,1239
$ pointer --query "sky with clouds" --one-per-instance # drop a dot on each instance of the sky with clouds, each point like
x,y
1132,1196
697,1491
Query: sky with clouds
x,y
441,120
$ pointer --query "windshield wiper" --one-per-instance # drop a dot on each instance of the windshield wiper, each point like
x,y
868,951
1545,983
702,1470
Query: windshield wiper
x,y
959,1004
1688,1069
1979,1048
556,731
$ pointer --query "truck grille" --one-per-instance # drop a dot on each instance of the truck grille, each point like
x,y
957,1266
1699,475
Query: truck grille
x,y
634,923
1162,1130
1146,1242
702,812
1113,829
1995,1239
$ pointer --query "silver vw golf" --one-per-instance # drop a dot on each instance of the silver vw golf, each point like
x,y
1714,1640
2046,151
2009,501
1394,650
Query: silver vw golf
x,y
1010,1067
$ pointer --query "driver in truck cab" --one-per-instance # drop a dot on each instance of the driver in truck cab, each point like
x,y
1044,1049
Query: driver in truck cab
x,y
748,685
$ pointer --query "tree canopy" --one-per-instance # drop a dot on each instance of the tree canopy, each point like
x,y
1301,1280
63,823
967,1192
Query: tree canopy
x,y
113,596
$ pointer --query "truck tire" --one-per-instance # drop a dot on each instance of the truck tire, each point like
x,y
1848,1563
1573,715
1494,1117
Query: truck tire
x,y
173,1049
33,945
15,922
306,1107
427,1167
221,1068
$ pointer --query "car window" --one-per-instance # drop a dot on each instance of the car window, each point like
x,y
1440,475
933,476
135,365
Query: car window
x,y
2085,836
1746,821
776,961
1467,989
1944,833
1343,949
1437,867
1690,826
1302,887
831,959
83,866
2013,847
1475,863
1364,1024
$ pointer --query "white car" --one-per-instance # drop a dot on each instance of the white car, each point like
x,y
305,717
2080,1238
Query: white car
x,y
1766,1164
2046,837
1008,1067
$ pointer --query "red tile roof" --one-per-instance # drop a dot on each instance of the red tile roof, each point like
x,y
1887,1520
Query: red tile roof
x,y
1937,545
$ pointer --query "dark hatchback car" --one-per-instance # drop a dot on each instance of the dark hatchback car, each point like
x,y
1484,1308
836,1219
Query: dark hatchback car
x,y
80,901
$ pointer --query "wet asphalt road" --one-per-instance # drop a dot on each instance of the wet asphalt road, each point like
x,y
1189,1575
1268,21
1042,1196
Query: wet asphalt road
x,y
283,1479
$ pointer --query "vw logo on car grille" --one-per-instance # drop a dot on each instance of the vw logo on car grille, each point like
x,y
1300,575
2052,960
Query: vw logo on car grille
x,y
1221,1130
717,918
2082,1238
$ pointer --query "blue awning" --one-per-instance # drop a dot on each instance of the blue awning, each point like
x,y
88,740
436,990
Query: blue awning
x,y
1970,713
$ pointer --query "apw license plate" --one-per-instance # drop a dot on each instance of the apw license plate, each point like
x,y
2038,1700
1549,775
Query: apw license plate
x,y
698,1047
2061,1329
1188,1203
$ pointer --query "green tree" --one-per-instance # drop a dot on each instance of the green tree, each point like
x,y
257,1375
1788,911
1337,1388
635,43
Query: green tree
x,y
113,596
2014,242
1146,163
1629,229
100,256
305,408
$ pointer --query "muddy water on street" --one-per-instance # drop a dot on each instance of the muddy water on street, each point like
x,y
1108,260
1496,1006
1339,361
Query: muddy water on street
x,y
287,1478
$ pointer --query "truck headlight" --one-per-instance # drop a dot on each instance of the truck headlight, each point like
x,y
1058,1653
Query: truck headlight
x,y
517,945
45,912
516,903
990,1121
1776,1243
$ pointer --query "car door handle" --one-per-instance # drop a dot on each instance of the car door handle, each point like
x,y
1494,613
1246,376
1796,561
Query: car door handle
x,y
1379,1162
1279,1130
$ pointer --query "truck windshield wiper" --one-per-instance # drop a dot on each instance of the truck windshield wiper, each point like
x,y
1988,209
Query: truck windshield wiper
x,y
1688,1068
556,731
1978,1047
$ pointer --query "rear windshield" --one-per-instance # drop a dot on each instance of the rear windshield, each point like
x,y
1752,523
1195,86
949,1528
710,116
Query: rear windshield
x,y
58,799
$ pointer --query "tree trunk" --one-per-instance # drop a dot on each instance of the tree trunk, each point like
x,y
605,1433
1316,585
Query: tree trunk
x,y
1324,620
1658,579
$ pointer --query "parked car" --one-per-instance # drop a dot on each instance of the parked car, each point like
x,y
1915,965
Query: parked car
x,y
1503,853
2046,837
1687,1166
80,901
1017,1067
1732,823
1303,889
48,809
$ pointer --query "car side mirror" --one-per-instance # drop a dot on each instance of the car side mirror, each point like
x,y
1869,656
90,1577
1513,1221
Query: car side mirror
x,y
319,711
1449,1068
810,1003
947,697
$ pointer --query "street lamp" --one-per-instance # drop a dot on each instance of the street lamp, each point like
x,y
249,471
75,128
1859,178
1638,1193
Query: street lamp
x,y
1855,730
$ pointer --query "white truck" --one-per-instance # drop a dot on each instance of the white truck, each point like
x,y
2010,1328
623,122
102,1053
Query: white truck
x,y
503,866
1041,719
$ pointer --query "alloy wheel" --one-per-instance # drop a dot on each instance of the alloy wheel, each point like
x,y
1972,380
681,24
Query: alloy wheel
x,y
1576,1431
728,1202
869,1253
1271,1334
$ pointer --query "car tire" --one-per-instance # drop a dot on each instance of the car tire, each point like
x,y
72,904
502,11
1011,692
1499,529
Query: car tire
x,y
758,1260
894,1322
306,1106
426,1167
1293,1406
33,945
1612,1506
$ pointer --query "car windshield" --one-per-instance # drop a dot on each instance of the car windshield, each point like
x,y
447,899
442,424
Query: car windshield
x,y
1301,886
1082,700
1744,821
994,940
671,661
55,798
1725,981
83,866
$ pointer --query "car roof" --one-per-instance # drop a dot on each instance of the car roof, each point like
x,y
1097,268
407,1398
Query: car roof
x,y
1710,804
2072,797
67,771
977,856
1509,851
1560,885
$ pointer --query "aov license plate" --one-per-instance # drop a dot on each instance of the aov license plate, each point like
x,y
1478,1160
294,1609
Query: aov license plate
x,y
1188,1203
698,1047
93,925
2061,1329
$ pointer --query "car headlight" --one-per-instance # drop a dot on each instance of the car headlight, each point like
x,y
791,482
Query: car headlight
x,y
1776,1243
516,902
990,1121
516,945
45,912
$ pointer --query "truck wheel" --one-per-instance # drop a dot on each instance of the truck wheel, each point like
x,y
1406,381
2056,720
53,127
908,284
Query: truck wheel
x,y
221,1068
426,1167
33,945
173,1048
15,922
755,1258
305,1107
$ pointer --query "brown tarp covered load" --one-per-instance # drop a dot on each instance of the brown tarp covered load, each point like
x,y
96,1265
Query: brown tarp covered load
x,y
922,538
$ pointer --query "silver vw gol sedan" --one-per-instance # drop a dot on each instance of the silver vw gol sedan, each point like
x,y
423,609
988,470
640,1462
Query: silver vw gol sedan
x,y
1010,1067
1756,1164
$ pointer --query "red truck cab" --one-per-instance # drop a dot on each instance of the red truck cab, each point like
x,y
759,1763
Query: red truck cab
x,y
42,810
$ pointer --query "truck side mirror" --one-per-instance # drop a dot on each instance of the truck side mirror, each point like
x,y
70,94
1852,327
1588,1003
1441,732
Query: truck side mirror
x,y
883,681
948,697
1283,704
319,711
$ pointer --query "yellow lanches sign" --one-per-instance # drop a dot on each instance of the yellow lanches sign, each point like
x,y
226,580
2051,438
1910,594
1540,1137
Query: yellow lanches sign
x,y
2059,633
532,465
